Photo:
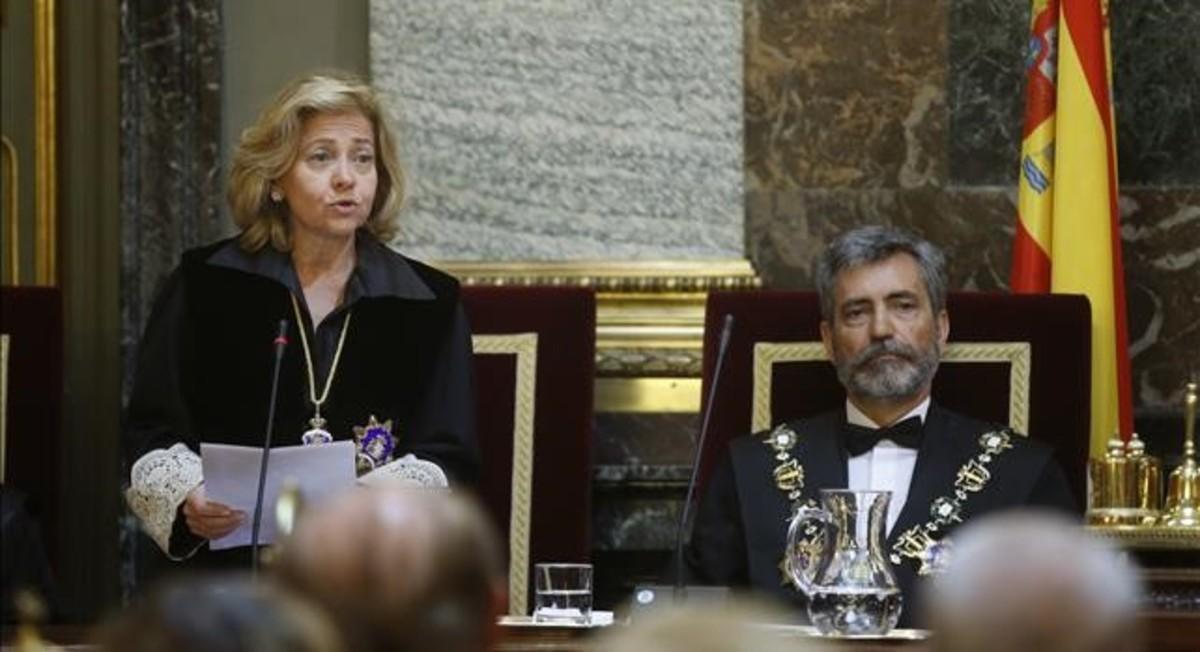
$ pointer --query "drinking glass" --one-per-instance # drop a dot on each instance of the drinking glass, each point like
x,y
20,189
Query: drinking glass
x,y
563,593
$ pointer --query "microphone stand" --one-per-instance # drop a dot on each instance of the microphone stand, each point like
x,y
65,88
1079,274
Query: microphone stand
x,y
726,330
280,344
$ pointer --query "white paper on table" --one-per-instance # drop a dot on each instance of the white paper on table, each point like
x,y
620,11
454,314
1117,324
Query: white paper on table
x,y
231,477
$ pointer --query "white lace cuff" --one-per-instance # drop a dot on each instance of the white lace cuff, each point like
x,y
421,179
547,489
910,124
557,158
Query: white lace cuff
x,y
407,471
158,484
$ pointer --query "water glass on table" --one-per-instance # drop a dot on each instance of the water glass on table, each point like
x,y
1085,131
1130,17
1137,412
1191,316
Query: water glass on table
x,y
563,593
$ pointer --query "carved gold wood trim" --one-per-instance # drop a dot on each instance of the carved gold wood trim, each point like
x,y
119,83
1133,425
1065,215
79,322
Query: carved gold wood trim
x,y
12,224
1149,538
3,403
524,346
655,276
45,165
1017,354
639,304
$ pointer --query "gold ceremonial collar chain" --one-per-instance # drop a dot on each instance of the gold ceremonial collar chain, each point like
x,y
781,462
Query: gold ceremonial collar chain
x,y
318,423
918,542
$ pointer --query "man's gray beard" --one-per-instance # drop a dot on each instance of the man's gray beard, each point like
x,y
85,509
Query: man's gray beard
x,y
888,379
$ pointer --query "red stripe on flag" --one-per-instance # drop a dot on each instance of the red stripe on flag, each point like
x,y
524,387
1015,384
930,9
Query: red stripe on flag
x,y
1124,374
1087,33
1031,266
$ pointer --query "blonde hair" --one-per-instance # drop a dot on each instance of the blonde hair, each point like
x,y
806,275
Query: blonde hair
x,y
268,149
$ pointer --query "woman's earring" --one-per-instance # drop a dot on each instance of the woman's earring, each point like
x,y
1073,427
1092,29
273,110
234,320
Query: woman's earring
x,y
276,196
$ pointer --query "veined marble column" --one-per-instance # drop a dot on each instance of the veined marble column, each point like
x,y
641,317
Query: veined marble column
x,y
170,74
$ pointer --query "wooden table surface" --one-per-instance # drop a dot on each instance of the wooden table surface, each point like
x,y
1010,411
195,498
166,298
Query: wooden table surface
x,y
1166,632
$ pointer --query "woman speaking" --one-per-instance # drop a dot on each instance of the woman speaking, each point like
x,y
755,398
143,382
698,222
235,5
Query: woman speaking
x,y
380,350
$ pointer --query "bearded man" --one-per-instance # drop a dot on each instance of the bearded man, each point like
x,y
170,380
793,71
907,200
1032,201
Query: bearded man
x,y
883,325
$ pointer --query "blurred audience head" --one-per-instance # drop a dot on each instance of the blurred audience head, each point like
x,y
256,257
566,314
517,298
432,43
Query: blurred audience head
x,y
1032,581
401,569
221,613
738,625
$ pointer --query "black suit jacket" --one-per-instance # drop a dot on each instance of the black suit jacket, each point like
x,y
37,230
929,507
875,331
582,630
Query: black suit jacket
x,y
741,526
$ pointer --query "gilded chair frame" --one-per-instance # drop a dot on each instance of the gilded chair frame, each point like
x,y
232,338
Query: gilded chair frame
x,y
3,403
524,346
1018,355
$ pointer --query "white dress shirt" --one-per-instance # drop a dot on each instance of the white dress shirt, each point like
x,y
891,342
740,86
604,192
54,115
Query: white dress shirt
x,y
887,467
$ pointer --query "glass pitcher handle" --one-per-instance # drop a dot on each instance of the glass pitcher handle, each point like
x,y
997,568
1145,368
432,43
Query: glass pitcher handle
x,y
803,568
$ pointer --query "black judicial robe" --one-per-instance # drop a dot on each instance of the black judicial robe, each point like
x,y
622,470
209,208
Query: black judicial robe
x,y
741,525
205,370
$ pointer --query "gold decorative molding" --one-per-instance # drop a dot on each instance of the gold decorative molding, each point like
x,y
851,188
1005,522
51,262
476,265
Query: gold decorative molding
x,y
524,346
1018,355
1138,537
646,276
613,362
639,304
45,165
12,215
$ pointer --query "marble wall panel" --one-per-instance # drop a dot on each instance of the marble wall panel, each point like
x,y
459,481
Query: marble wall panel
x,y
844,93
985,58
566,130
1160,231
1156,85
787,230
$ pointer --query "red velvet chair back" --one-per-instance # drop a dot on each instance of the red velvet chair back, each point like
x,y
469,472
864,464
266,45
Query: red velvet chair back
x,y
539,492
1042,388
32,318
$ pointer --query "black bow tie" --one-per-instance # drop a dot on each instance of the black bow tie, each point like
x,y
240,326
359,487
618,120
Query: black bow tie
x,y
906,433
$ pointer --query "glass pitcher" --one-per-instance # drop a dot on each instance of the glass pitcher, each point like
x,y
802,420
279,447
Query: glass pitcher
x,y
835,556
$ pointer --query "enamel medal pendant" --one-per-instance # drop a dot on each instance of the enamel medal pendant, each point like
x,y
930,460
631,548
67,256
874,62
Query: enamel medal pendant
x,y
375,443
317,435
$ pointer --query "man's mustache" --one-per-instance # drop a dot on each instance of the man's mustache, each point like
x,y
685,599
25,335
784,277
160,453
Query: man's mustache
x,y
884,347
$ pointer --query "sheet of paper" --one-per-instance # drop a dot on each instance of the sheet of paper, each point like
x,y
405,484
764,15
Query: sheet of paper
x,y
231,477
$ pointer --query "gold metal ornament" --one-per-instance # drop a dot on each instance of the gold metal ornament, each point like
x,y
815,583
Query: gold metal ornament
x,y
1147,480
973,476
789,476
916,544
922,542
1183,487
1112,498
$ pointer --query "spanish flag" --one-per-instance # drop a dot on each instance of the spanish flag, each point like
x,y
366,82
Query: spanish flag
x,y
1068,237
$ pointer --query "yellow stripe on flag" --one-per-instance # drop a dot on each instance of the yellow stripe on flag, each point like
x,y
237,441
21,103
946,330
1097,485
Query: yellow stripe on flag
x,y
1081,231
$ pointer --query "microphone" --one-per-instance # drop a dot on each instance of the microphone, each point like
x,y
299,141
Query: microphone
x,y
722,348
280,342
